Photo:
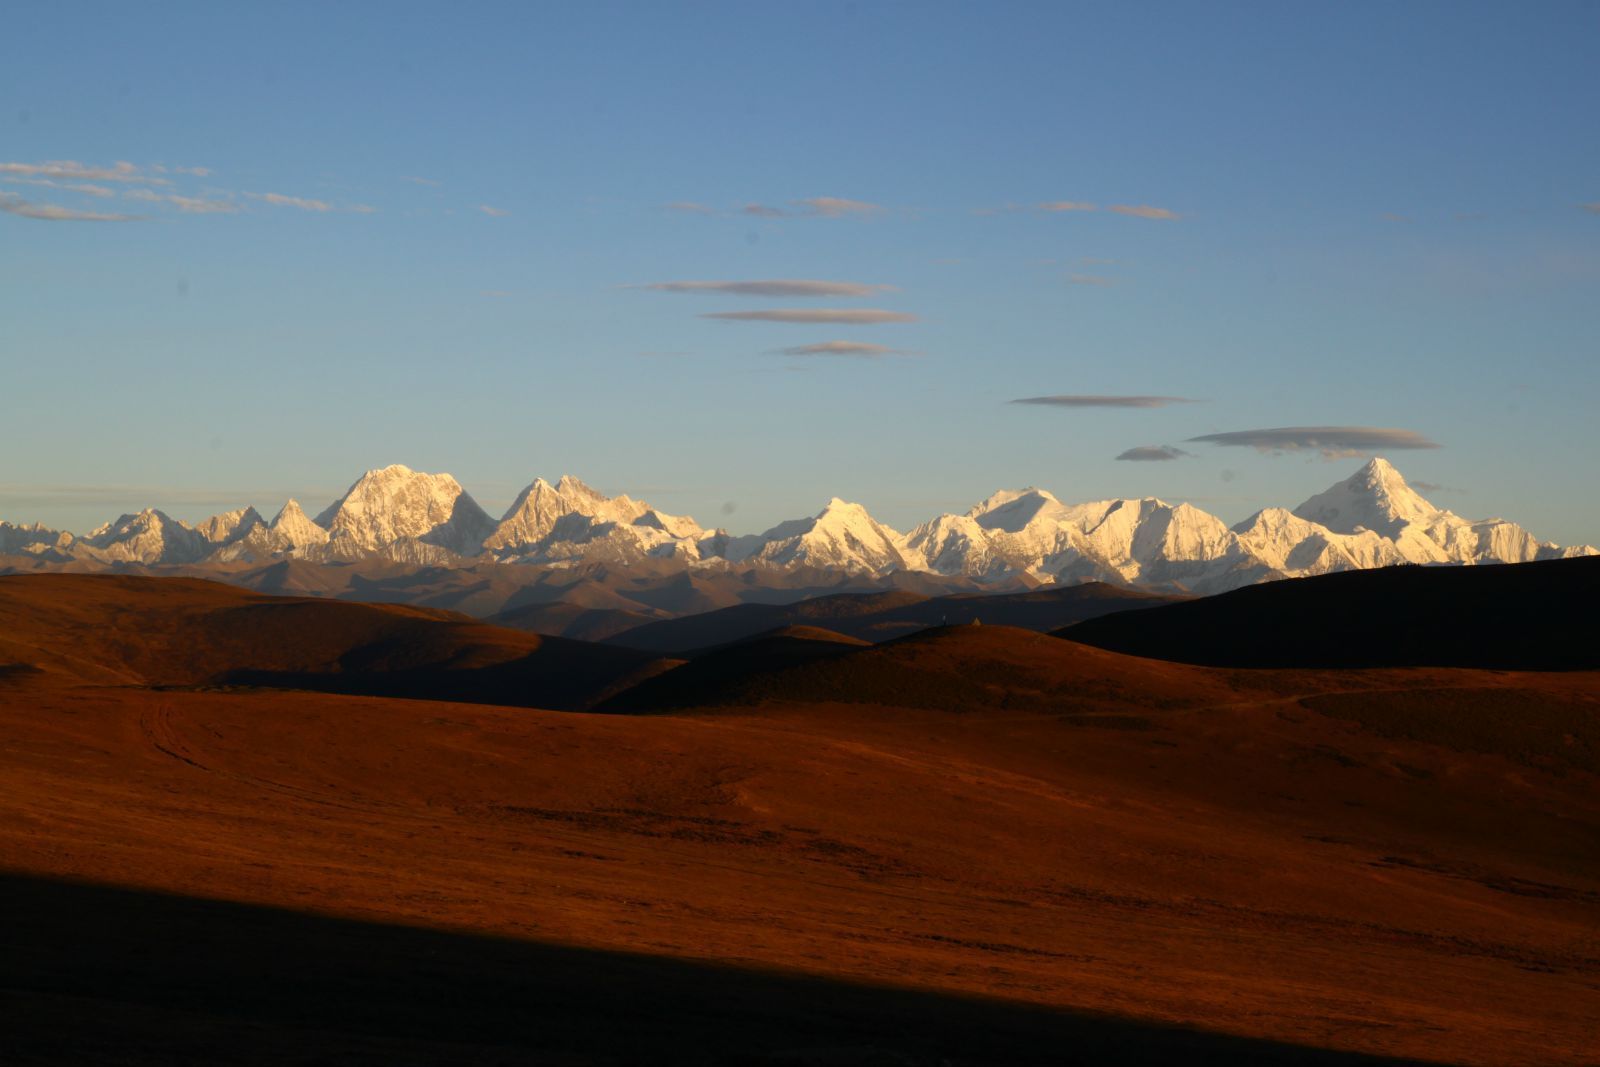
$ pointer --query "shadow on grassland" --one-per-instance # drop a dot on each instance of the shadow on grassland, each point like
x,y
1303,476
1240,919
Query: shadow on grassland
x,y
110,975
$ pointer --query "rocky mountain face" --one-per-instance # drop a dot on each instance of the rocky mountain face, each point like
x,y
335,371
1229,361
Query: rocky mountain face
x,y
1371,519
569,522
405,515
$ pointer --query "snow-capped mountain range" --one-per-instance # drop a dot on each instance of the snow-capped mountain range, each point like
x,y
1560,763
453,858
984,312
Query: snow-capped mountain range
x,y
1371,519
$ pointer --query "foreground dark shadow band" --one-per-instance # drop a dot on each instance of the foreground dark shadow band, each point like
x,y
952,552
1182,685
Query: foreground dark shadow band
x,y
91,974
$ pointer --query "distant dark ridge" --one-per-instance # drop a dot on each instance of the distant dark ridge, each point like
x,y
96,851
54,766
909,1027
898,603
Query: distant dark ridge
x,y
1519,616
887,615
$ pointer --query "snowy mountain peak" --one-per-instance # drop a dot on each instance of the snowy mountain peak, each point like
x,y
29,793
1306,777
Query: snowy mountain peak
x,y
839,507
1013,510
396,504
575,489
1372,518
294,530
149,536
842,536
573,522
1375,497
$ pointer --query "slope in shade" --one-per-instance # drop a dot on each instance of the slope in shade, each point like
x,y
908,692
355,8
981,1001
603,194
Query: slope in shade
x,y
1526,616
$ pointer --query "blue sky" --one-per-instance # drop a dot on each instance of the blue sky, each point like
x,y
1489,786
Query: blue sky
x,y
381,233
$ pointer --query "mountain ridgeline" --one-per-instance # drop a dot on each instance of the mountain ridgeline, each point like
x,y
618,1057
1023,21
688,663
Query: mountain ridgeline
x,y
1015,538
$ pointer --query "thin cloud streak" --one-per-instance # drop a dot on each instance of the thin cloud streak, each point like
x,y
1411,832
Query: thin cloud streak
x,y
851,349
70,169
771,287
690,207
1143,211
1089,279
191,205
812,316
51,183
12,204
493,212
1333,442
1089,400
1139,211
1154,454
280,200
833,207
814,207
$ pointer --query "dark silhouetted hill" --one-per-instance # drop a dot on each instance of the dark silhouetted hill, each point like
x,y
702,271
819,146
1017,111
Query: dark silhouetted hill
x,y
1522,616
889,614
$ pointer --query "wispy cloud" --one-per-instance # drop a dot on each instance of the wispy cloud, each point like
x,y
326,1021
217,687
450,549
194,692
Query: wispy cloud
x,y
815,207
51,183
852,349
414,180
833,207
1139,211
493,212
1153,453
12,204
279,200
1088,400
1592,208
690,207
1143,211
1088,279
1333,442
193,205
813,316
69,169
771,287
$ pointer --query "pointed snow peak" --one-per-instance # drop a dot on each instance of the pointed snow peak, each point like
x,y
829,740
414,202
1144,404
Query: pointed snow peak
x,y
291,527
1376,497
573,487
841,535
1378,469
